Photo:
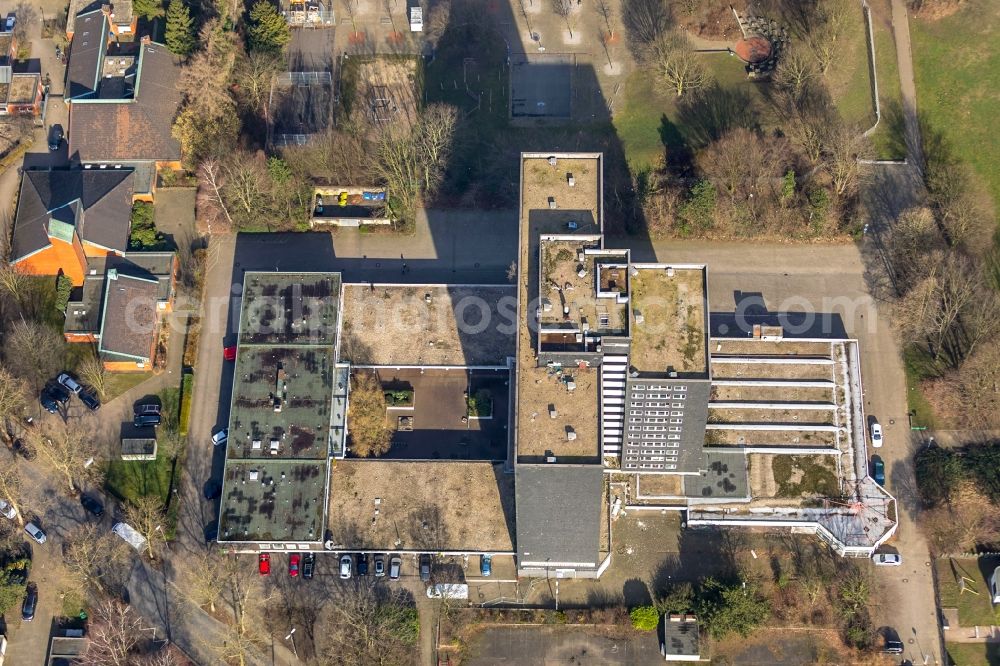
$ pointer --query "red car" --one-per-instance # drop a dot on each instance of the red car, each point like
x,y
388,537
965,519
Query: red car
x,y
293,564
264,564
229,353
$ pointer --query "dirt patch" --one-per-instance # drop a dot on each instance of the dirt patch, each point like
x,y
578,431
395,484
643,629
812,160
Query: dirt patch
x,y
760,415
810,371
769,438
421,506
770,394
385,93
738,347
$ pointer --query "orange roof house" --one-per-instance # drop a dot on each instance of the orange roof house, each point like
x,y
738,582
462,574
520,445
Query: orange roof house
x,y
65,216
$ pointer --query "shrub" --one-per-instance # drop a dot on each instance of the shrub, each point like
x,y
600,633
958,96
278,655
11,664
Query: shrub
x,y
399,398
64,286
187,392
143,234
645,618
370,436
481,404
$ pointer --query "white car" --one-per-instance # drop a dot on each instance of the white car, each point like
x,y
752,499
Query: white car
x,y
876,435
69,383
35,532
219,438
887,559
345,566
7,510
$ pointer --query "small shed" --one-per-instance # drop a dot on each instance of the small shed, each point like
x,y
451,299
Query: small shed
x,y
680,637
139,447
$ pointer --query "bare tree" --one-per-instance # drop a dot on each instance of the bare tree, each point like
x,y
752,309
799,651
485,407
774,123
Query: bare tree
x,y
563,9
912,236
66,450
13,399
843,147
93,374
795,73
677,65
33,351
13,280
965,521
205,578
10,488
254,74
96,559
114,632
146,515
645,22
825,38
364,629
606,11
212,207
350,8
435,137
26,15
247,598
438,17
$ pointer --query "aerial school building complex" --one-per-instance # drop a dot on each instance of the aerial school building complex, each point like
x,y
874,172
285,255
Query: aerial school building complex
x,y
611,395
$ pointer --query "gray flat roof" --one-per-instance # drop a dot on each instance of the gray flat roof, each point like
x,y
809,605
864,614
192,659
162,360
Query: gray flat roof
x,y
273,500
680,636
665,425
290,308
558,510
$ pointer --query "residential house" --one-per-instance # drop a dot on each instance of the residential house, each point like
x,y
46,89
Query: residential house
x,y
123,107
121,19
91,36
130,322
20,92
65,216
83,312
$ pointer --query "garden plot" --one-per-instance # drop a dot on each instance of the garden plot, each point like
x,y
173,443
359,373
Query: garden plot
x,y
771,394
761,415
813,372
789,438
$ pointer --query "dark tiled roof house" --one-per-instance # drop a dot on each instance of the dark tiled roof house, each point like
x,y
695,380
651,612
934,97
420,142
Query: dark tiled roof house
x,y
129,322
65,216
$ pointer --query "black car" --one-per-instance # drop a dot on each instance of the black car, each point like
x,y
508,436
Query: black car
x,y
49,403
55,137
362,564
30,601
90,400
146,415
308,565
58,393
92,505
425,567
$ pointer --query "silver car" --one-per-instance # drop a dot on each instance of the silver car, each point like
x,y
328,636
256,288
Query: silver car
x,y
345,566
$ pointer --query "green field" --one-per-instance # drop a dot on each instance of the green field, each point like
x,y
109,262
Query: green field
x,y
956,64
131,479
973,609
973,654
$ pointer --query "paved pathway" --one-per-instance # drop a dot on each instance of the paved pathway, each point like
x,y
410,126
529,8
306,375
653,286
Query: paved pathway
x,y
908,89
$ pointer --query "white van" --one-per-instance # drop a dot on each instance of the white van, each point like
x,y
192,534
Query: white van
x,y
127,532
995,585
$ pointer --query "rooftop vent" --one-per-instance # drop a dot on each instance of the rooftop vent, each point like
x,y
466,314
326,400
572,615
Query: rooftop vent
x,y
552,203
552,160
670,271
550,459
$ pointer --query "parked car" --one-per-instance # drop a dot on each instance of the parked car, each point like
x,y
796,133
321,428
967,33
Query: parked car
x,y
229,353
60,394
35,532
425,567
49,403
146,415
379,565
55,137
887,559
11,22
308,565
876,435
69,383
293,564
7,511
30,602
362,564
264,564
878,470
395,565
90,400
219,438
345,566
485,565
92,506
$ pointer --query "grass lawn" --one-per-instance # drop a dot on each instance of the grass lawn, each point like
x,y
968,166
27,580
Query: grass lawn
x,y
804,475
957,68
120,382
917,367
849,77
973,654
886,146
973,609
72,604
128,479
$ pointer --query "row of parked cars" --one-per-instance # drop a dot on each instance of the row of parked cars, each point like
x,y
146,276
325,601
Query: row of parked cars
x,y
58,393
358,565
